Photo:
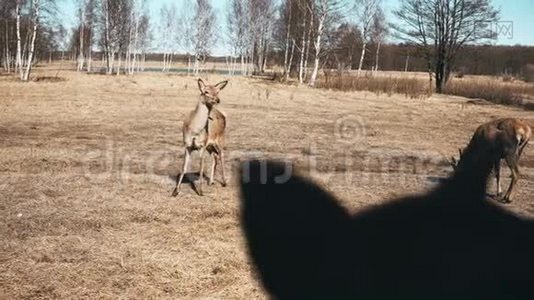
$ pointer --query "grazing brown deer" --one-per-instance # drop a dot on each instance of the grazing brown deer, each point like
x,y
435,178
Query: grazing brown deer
x,y
204,130
509,137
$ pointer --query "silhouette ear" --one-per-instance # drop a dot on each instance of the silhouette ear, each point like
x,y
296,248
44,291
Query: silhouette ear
x,y
453,162
201,85
221,84
292,228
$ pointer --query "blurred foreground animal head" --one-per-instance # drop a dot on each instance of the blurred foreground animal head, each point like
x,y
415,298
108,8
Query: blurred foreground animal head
x,y
448,244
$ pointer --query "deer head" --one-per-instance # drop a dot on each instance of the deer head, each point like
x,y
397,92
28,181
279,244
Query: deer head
x,y
209,94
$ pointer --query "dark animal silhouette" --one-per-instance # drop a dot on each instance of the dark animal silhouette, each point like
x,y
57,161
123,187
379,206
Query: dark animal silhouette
x,y
509,137
448,244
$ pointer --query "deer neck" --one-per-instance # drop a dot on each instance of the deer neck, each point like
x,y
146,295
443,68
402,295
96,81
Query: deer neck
x,y
199,119
469,181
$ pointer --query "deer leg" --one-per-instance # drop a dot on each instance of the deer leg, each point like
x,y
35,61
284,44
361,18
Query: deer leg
x,y
512,163
497,170
213,167
521,148
201,179
221,157
187,158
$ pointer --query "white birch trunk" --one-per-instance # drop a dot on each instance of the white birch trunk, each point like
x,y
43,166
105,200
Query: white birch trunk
x,y
82,21
362,57
8,56
377,56
18,62
317,49
302,53
286,53
119,54
290,60
27,71
308,48
109,53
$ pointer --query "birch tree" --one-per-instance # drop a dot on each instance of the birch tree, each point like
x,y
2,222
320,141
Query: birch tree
x,y
287,18
365,13
379,32
115,22
36,11
325,9
82,4
136,32
260,20
18,63
7,9
186,24
204,33
306,15
168,33
237,27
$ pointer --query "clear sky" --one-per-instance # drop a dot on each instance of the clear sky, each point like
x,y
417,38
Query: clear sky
x,y
519,12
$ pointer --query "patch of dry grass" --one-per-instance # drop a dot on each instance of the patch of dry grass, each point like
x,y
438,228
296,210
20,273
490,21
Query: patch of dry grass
x,y
87,167
411,87
506,92
499,91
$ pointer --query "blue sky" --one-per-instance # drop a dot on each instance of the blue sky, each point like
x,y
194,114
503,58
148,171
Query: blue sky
x,y
519,12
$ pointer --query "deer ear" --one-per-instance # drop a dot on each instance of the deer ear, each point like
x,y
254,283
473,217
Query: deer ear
x,y
290,225
221,84
201,85
453,162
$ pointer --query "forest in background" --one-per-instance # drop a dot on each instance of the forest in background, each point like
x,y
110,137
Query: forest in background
x,y
300,37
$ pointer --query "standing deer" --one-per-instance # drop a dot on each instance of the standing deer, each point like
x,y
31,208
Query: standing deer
x,y
508,137
204,130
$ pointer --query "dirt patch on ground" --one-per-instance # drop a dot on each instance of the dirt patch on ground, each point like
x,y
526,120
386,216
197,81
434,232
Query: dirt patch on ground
x,y
87,168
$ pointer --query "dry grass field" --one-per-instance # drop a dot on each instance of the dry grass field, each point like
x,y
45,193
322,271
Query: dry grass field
x,y
88,164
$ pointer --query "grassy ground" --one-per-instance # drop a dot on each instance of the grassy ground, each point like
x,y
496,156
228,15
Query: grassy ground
x,y
87,166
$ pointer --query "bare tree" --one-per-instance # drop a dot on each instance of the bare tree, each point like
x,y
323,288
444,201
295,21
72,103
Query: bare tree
x,y
325,10
307,15
7,9
144,41
379,31
186,26
442,27
204,33
27,31
260,15
90,15
115,25
18,63
38,10
81,13
237,29
168,39
365,12
345,41
287,19
135,34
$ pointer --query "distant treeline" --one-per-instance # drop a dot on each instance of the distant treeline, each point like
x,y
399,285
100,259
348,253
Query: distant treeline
x,y
475,60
